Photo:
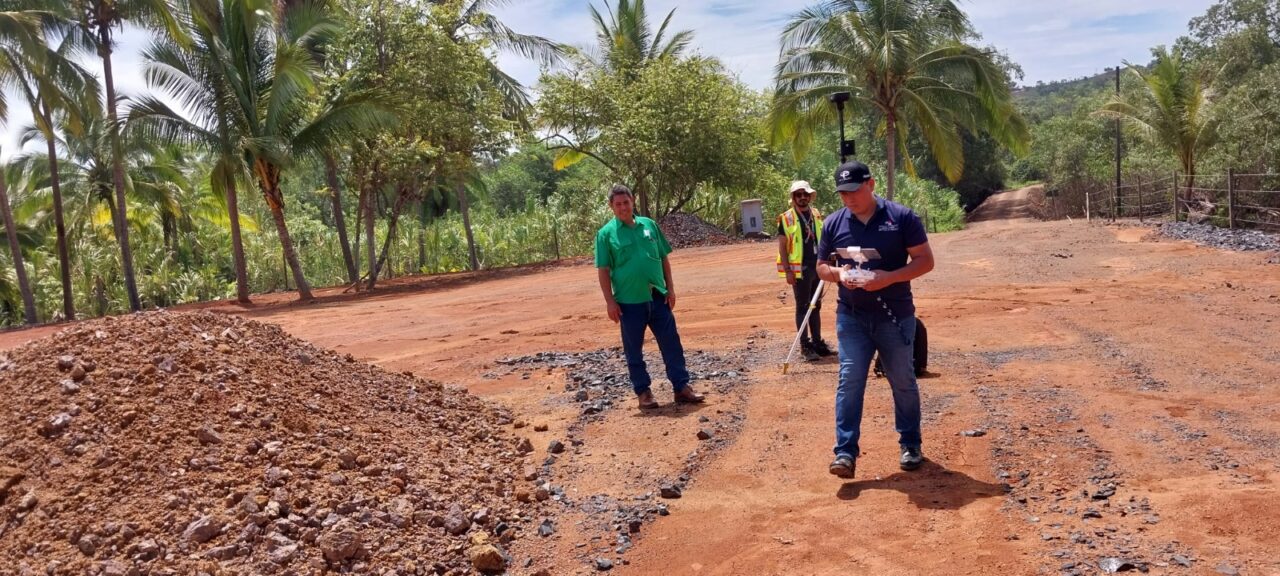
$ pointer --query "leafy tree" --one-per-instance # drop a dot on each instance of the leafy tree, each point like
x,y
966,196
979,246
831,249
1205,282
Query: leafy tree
x,y
905,63
1248,123
450,110
523,179
678,125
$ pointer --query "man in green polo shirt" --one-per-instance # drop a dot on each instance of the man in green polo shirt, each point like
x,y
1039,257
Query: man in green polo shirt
x,y
635,277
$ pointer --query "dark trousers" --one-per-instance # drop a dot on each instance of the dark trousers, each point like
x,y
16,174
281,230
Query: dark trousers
x,y
656,316
806,284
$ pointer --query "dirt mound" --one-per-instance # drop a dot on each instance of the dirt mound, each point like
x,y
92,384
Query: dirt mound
x,y
177,443
686,230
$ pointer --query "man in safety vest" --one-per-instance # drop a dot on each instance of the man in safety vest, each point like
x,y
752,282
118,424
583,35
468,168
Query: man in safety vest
x,y
799,230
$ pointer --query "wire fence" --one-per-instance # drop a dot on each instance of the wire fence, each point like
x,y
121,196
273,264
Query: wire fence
x,y
1226,200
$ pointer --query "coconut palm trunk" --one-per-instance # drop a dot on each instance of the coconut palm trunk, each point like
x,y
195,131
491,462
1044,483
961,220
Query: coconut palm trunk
x,y
237,245
19,267
60,227
369,230
117,171
269,180
339,220
890,154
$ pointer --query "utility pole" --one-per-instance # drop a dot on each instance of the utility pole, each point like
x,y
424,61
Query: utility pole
x,y
1119,204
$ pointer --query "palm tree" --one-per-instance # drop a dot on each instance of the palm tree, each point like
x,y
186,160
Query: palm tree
x,y
905,63
18,30
15,251
51,83
626,42
198,77
270,63
97,19
1173,109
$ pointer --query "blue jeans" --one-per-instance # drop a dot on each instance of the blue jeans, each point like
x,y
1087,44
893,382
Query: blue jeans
x,y
657,316
860,335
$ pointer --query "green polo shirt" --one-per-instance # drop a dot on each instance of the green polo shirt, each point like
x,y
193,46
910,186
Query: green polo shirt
x,y
633,255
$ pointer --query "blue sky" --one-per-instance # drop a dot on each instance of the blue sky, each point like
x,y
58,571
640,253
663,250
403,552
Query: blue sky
x,y
1051,40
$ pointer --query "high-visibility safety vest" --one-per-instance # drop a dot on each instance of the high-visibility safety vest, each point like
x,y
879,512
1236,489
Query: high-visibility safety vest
x,y
795,242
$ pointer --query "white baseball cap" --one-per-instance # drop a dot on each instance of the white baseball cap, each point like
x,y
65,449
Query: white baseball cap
x,y
800,185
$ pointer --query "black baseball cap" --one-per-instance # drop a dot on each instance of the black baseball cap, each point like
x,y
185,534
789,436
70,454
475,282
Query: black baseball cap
x,y
851,176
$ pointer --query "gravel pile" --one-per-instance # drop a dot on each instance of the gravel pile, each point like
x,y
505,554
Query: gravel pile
x,y
686,230
1224,238
187,443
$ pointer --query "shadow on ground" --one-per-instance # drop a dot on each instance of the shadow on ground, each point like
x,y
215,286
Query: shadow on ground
x,y
931,487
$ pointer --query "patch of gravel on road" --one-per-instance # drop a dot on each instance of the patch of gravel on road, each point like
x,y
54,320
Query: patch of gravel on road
x,y
186,443
1065,486
1134,370
934,405
999,358
1224,238
597,382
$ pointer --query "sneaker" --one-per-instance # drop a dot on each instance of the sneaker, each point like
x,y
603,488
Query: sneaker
x,y
911,459
809,353
842,466
821,348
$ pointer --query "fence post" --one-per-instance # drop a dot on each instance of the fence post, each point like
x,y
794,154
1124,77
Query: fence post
x,y
1139,199
1173,190
555,237
1115,202
1231,199
1088,214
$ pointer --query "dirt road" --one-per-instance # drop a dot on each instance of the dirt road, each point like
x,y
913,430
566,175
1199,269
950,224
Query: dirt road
x,y
1128,390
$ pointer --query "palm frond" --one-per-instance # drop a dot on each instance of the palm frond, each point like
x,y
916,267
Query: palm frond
x,y
537,48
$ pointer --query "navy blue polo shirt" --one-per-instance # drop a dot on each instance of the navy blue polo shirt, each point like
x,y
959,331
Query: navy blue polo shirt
x,y
892,230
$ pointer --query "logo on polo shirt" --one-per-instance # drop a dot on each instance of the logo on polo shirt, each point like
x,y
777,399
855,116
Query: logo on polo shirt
x,y
889,226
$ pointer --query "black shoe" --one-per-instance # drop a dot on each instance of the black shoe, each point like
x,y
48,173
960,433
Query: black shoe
x,y
911,459
820,346
809,353
842,466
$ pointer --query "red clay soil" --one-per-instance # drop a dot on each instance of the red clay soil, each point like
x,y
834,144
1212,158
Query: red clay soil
x,y
178,443
1120,395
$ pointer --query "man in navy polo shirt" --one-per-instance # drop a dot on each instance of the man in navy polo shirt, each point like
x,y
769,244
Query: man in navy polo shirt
x,y
876,314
